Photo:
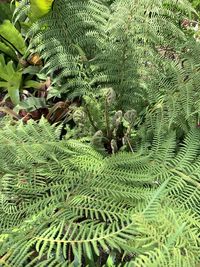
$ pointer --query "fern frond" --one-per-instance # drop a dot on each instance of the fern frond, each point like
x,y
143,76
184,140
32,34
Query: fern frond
x,y
70,200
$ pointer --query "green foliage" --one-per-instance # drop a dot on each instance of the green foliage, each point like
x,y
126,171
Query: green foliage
x,y
7,51
6,11
97,120
133,70
10,79
177,94
31,103
196,4
13,82
12,38
16,74
80,43
39,8
61,200
72,32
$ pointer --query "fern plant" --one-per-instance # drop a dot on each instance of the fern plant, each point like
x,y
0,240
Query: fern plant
x,y
81,42
74,31
118,45
61,201
97,121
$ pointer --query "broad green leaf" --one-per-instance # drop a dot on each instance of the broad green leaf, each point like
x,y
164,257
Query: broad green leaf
x,y
31,103
31,70
2,60
3,73
11,80
40,8
3,84
9,68
32,84
8,51
14,87
12,37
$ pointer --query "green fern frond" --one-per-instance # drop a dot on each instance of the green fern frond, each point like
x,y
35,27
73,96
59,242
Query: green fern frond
x,y
67,199
74,31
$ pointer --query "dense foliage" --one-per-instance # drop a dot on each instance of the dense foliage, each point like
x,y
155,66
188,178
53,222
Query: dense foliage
x,y
100,153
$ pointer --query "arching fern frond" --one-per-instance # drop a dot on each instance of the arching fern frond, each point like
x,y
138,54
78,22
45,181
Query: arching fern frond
x,y
66,202
68,37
